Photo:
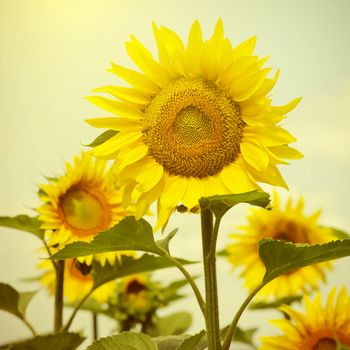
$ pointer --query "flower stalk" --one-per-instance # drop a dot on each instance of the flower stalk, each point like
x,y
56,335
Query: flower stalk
x,y
211,293
59,296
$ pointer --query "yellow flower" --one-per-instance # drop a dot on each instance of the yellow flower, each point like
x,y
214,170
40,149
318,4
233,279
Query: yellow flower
x,y
77,282
319,329
197,123
80,204
288,224
136,293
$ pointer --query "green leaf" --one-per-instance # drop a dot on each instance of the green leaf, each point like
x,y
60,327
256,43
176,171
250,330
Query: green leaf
x,y
339,233
24,299
128,234
244,336
276,303
221,204
342,347
240,335
173,324
280,257
129,266
170,342
222,253
61,341
23,223
164,243
14,302
124,341
196,342
102,138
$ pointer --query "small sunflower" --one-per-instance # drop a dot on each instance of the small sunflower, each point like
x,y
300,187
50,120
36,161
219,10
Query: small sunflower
x,y
77,282
321,328
288,224
196,123
80,204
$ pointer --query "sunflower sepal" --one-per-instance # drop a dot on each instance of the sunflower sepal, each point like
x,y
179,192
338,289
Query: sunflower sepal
x,y
102,138
220,204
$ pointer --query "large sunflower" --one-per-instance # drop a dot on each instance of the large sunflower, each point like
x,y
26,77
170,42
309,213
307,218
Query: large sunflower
x,y
196,123
321,328
80,204
289,224
77,282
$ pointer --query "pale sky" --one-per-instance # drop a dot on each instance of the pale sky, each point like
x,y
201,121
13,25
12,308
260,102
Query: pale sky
x,y
53,53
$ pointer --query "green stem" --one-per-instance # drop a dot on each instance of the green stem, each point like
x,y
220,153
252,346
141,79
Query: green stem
x,y
231,330
76,309
94,325
31,328
59,296
190,280
211,293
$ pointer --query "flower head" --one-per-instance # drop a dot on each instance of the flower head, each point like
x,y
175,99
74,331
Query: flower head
x,y
80,204
196,123
321,328
77,282
288,224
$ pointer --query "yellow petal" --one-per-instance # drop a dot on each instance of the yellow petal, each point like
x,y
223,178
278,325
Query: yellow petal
x,y
174,190
194,48
265,87
116,143
134,78
236,179
144,60
286,152
246,48
114,123
286,108
150,176
269,136
131,155
245,87
192,194
254,154
126,94
270,175
119,108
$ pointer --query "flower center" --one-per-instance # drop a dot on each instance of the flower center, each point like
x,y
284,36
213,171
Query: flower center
x,y
193,128
325,344
79,270
84,212
290,231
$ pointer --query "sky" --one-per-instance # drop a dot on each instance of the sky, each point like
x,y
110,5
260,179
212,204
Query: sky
x,y
53,53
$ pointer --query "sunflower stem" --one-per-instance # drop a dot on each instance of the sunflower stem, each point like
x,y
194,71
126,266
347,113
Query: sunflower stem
x,y
94,325
76,309
233,325
190,280
211,293
59,296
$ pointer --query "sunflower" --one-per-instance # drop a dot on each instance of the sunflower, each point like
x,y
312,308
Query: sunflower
x,y
321,328
288,224
196,123
77,282
80,204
